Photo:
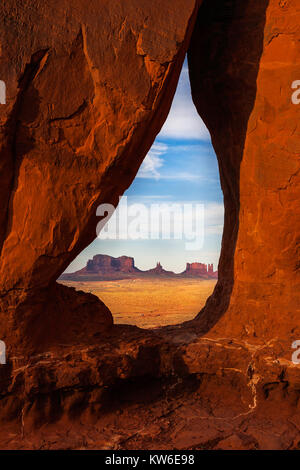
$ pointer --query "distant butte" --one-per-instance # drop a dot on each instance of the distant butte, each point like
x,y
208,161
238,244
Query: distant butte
x,y
106,268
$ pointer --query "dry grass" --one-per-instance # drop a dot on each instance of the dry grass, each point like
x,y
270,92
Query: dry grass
x,y
150,303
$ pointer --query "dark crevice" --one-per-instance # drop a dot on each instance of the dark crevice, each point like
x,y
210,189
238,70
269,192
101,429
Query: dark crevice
x,y
76,113
224,91
13,126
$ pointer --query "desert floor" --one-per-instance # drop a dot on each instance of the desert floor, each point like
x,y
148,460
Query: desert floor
x,y
150,303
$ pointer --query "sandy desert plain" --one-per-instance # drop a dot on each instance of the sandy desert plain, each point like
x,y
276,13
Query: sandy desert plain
x,y
149,303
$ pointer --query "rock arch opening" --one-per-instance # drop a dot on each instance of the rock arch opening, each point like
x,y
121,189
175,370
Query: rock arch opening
x,y
155,261
83,105
98,139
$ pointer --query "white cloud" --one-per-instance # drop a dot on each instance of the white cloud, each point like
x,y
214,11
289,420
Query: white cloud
x,y
153,161
183,121
182,176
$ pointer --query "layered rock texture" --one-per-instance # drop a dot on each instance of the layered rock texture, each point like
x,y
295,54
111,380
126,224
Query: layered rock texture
x,y
107,265
88,88
200,270
243,59
89,85
104,267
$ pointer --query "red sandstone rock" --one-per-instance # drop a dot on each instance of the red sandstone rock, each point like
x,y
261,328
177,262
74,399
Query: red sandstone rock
x,y
200,270
87,94
243,59
104,267
159,271
119,394
88,88
104,264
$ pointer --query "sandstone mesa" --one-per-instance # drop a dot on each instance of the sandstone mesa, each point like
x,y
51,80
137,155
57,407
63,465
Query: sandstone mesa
x,y
104,267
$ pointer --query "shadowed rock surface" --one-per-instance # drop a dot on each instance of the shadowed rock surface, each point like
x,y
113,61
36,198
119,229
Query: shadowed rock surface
x,y
88,88
243,59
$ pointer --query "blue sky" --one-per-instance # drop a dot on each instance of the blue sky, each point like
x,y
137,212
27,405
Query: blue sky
x,y
181,167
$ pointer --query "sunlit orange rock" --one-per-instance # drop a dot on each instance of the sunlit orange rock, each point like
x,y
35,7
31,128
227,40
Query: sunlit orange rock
x,y
243,61
88,88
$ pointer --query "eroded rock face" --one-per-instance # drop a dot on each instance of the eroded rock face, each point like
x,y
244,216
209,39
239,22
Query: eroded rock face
x,y
87,94
144,390
107,264
103,267
88,88
200,270
243,59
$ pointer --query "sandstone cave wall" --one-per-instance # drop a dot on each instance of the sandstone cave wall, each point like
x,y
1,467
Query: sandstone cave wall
x,y
88,88
243,59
